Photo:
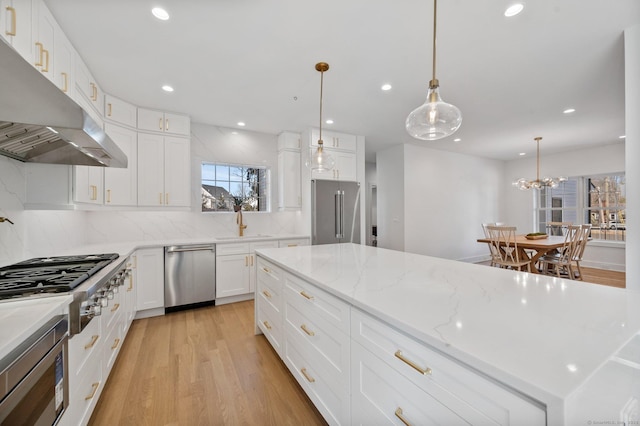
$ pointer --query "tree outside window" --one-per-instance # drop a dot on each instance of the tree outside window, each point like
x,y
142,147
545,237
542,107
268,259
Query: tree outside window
x,y
227,187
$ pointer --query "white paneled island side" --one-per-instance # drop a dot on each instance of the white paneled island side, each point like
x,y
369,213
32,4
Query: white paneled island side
x,y
476,344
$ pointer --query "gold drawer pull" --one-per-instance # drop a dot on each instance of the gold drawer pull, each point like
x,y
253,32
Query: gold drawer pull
x,y
267,294
160,124
11,32
109,109
412,364
115,343
306,330
65,78
305,295
266,324
292,245
267,270
307,376
94,389
401,417
40,49
115,307
93,341
45,63
130,284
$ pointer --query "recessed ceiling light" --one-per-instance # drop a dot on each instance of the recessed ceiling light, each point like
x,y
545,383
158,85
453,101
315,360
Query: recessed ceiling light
x,y
329,121
622,137
513,10
160,13
386,87
241,123
522,153
457,140
234,133
167,88
569,110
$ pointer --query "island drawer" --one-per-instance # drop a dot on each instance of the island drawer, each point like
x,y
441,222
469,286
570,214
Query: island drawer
x,y
318,303
269,274
271,325
269,294
83,345
462,389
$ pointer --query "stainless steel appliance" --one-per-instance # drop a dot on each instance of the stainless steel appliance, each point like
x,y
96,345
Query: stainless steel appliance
x,y
335,212
34,385
42,276
41,124
189,276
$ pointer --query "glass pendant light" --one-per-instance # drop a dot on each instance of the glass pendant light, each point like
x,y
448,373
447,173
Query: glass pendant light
x,y
321,161
435,119
546,182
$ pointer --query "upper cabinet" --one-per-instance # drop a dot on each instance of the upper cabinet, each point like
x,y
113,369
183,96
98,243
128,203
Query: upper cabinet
x,y
289,175
119,111
87,88
121,184
15,25
164,122
343,148
334,140
63,62
44,29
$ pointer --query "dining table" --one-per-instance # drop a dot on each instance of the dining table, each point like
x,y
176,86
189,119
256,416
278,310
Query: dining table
x,y
539,247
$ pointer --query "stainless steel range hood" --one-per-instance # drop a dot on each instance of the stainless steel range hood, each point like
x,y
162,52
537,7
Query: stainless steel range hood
x,y
41,124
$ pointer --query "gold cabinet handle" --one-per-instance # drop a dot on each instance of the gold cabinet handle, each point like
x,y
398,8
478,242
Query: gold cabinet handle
x,y
246,261
160,124
109,109
65,79
40,49
251,259
160,198
425,371
266,324
94,389
93,341
115,344
267,270
166,198
95,92
292,245
166,127
108,195
307,376
45,67
306,330
130,284
267,294
401,417
115,307
305,295
11,32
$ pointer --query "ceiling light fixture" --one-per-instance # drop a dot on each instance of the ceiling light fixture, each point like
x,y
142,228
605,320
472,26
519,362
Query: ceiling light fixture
x,y
241,123
386,87
513,10
329,121
569,110
321,161
435,119
160,13
622,137
546,182
167,88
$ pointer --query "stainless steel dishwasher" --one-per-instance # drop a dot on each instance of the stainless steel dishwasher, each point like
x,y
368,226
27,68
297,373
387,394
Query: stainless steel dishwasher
x,y
189,276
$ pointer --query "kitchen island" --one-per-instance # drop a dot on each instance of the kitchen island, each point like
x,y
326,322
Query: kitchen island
x,y
553,350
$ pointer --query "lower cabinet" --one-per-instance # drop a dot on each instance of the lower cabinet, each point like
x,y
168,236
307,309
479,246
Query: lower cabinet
x,y
236,268
359,370
149,275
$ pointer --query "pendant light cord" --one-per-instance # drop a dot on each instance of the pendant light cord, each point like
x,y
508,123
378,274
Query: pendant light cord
x,y
321,83
435,11
538,159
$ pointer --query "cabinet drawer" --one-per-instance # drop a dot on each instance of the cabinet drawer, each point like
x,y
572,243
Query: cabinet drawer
x,y
270,323
269,291
232,248
469,394
111,348
332,402
328,345
294,242
317,303
84,391
112,312
83,345
270,274
262,245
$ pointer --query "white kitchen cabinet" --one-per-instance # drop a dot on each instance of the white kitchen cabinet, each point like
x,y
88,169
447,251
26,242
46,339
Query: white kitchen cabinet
x,y
269,303
236,267
289,173
87,87
334,140
293,242
88,184
164,122
63,62
129,289
15,25
345,168
44,28
121,184
120,111
150,279
164,174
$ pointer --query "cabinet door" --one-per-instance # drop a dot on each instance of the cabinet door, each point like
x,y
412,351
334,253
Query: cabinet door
x,y
121,185
334,140
120,111
232,275
88,87
253,264
43,39
150,170
15,25
177,171
88,184
345,168
289,176
150,120
288,140
63,69
177,124
150,279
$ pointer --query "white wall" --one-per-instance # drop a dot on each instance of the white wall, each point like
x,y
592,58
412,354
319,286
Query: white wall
x,y
390,172
632,131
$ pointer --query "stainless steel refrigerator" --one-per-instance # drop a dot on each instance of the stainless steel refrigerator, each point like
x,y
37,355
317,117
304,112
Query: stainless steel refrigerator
x,y
335,212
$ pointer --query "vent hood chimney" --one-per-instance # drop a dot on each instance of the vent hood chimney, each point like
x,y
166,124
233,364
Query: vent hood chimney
x,y
41,124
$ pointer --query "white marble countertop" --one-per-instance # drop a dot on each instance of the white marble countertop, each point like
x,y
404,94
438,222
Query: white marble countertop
x,y
21,318
543,336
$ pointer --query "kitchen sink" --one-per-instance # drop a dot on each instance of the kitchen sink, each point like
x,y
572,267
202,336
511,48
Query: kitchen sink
x,y
235,237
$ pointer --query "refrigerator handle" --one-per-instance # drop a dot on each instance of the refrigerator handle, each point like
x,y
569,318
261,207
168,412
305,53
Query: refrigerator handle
x,y
339,211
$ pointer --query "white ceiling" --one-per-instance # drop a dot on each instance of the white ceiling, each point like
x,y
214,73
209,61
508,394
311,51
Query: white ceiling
x,y
253,61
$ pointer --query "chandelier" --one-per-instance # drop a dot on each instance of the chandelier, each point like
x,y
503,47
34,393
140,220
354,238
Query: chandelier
x,y
435,119
546,182
321,161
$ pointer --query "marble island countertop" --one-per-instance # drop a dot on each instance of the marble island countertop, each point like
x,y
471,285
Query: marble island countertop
x,y
552,339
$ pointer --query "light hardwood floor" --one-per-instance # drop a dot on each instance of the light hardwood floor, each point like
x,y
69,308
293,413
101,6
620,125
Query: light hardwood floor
x,y
201,367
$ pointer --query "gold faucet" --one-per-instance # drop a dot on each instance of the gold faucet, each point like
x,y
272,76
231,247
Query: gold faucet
x,y
5,219
241,226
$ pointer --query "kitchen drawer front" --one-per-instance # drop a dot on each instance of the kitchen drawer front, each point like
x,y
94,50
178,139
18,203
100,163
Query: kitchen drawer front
x,y
470,394
269,293
271,278
332,402
112,344
294,242
381,395
111,313
270,323
328,346
84,391
232,248
262,245
317,303
83,345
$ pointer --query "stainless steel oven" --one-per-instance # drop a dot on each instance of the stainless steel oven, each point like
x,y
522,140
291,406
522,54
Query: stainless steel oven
x,y
33,377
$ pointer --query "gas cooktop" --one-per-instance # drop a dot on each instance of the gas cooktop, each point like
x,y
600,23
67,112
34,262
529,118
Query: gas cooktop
x,y
58,274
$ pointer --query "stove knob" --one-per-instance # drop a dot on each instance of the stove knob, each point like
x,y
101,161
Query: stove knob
x,y
109,294
104,302
113,288
95,310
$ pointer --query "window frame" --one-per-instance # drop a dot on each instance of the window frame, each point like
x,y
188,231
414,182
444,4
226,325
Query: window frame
x,y
263,182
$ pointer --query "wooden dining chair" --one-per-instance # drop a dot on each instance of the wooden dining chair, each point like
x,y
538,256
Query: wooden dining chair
x,y
557,228
560,263
505,246
585,231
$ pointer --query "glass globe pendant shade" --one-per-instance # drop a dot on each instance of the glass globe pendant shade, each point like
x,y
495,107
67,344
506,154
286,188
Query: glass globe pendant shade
x,y
435,119
321,161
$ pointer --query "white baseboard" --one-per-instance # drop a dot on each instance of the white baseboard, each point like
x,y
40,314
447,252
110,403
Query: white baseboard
x,y
148,313
234,299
